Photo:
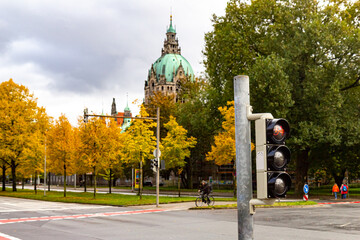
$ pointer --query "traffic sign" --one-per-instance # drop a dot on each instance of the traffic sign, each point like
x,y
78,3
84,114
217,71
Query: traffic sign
x,y
155,155
305,197
306,188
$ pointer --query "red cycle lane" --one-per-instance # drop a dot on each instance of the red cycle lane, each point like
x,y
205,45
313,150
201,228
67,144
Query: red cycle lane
x,y
78,216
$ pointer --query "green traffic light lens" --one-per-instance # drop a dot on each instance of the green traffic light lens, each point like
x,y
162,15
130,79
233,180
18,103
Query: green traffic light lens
x,y
280,186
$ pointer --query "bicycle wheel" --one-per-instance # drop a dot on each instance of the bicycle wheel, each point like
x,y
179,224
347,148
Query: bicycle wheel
x,y
211,201
199,202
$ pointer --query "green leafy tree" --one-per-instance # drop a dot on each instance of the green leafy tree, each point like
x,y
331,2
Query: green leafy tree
x,y
299,56
195,114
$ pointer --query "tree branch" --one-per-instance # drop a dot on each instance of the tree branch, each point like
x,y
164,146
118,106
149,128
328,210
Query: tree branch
x,y
355,84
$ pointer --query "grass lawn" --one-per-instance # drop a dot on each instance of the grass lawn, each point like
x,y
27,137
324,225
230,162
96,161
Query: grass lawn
x,y
88,197
354,190
276,204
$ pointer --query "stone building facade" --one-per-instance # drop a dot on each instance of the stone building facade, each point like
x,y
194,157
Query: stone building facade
x,y
167,71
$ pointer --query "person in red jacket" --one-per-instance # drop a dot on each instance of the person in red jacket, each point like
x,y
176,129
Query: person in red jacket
x,y
335,190
344,190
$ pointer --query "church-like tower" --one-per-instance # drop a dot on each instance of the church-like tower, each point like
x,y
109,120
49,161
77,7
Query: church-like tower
x,y
167,71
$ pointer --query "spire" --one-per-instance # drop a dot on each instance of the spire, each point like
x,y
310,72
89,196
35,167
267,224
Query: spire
x,y
171,29
127,103
171,43
113,107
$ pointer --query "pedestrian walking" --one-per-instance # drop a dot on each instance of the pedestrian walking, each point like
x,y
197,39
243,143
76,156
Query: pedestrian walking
x,y
335,190
344,190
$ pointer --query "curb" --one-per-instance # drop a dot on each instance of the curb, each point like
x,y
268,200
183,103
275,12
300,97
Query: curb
x,y
328,203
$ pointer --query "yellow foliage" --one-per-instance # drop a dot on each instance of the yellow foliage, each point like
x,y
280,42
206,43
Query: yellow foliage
x,y
140,140
176,144
61,147
22,128
223,151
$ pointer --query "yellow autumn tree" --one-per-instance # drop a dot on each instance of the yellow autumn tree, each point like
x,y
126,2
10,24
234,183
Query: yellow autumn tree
x,y
96,146
175,147
34,153
115,143
223,151
33,157
61,148
18,116
141,142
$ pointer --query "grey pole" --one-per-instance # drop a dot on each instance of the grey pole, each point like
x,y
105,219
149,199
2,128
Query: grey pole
x,y
243,157
157,155
45,170
132,179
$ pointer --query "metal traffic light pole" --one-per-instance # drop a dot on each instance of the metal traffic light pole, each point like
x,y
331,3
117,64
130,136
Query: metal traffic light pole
x,y
279,181
157,156
243,157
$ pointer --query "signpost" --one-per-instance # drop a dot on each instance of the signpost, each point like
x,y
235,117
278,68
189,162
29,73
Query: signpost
x,y
137,179
306,191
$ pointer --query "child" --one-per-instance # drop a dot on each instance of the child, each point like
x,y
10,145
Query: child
x,y
344,190
335,190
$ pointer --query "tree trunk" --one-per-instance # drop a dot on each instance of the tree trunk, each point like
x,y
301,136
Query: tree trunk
x,y
141,177
234,179
339,178
302,167
85,182
23,183
114,182
64,180
13,174
179,184
3,177
190,175
94,182
35,183
49,181
110,181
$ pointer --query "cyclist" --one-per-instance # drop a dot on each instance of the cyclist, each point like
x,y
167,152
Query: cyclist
x,y
205,190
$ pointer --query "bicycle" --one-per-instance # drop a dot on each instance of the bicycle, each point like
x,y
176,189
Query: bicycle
x,y
199,202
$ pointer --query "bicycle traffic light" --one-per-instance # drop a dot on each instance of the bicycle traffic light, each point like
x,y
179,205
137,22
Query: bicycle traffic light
x,y
154,164
272,157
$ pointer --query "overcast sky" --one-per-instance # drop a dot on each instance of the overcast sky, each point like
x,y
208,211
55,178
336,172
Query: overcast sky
x,y
76,54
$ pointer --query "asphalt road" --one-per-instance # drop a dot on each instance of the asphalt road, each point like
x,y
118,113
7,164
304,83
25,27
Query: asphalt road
x,y
30,219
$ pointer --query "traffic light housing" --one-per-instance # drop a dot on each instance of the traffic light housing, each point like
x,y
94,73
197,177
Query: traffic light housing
x,y
154,164
272,157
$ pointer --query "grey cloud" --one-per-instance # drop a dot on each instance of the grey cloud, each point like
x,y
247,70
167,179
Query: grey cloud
x,y
79,49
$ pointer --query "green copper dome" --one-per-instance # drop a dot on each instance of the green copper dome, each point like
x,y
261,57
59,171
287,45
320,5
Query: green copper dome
x,y
168,65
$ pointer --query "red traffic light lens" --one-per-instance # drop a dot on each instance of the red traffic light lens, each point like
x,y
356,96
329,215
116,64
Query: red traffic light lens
x,y
278,132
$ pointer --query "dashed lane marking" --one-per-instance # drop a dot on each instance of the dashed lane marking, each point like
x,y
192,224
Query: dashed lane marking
x,y
106,214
